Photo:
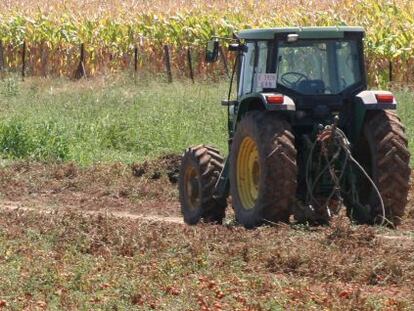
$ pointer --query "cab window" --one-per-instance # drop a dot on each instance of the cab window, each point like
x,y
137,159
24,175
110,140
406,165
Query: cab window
x,y
318,67
261,67
247,68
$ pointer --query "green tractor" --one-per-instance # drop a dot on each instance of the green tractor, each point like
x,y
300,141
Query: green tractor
x,y
305,135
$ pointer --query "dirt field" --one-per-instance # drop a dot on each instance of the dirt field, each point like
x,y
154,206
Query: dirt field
x,y
71,254
146,188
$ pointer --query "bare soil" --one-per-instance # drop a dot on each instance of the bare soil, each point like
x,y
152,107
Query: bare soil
x,y
148,188
210,267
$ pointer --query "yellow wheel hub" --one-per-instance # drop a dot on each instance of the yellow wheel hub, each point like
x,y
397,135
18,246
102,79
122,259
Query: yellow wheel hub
x,y
192,187
248,172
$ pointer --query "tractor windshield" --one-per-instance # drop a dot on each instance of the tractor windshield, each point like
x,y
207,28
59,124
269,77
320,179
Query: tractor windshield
x,y
318,67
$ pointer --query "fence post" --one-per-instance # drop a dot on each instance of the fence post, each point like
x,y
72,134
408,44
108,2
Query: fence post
x,y
23,60
80,71
135,59
1,56
168,63
190,64
43,59
224,59
390,69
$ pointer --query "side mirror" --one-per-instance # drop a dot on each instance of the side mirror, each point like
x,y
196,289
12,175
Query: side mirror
x,y
236,47
212,51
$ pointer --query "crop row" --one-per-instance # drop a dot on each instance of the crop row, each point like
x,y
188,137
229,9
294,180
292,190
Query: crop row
x,y
53,37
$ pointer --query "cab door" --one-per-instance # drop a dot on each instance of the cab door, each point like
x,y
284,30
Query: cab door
x,y
247,70
254,62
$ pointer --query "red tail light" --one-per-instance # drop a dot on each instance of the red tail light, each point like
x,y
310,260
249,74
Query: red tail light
x,y
275,99
385,98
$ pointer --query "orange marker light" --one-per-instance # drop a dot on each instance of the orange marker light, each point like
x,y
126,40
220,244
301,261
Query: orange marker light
x,y
275,99
385,98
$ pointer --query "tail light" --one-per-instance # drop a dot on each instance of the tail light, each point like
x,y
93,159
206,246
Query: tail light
x,y
275,99
385,98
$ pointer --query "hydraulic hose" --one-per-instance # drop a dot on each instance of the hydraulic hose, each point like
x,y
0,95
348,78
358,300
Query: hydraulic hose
x,y
340,139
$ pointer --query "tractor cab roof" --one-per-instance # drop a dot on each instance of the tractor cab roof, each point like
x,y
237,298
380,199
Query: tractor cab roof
x,y
337,32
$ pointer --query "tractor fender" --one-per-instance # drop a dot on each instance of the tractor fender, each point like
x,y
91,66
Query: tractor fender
x,y
377,100
366,101
265,101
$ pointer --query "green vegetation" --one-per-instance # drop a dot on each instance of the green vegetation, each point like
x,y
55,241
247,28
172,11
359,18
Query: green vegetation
x,y
405,99
116,119
107,120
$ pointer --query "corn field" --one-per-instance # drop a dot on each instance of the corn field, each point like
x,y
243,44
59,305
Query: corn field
x,y
110,31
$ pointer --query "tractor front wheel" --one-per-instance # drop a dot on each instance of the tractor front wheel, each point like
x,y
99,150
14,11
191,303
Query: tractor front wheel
x,y
199,171
263,170
382,151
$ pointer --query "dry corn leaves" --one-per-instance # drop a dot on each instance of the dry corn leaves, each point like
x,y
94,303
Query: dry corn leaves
x,y
110,31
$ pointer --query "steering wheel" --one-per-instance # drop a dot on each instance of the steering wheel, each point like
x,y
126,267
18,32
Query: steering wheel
x,y
292,84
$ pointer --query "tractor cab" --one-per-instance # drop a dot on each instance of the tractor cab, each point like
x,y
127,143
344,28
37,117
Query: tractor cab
x,y
312,72
313,66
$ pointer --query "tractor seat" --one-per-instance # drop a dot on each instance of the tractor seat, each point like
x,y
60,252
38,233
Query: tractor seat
x,y
311,87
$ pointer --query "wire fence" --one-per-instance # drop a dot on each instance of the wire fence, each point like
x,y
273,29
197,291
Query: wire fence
x,y
173,63
77,62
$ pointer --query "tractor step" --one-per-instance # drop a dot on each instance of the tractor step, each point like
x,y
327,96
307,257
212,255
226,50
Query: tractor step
x,y
229,102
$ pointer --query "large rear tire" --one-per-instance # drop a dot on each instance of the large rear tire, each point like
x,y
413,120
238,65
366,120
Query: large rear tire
x,y
199,171
263,170
382,151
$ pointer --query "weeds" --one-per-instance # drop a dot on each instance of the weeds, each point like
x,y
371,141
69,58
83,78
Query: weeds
x,y
108,120
9,87
40,141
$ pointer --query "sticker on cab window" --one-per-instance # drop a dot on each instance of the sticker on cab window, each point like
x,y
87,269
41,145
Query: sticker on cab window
x,y
266,80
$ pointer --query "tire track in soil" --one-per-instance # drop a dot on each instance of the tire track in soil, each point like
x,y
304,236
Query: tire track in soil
x,y
14,206
403,240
